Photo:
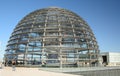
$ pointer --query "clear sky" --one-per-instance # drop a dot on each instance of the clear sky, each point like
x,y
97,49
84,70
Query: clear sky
x,y
103,16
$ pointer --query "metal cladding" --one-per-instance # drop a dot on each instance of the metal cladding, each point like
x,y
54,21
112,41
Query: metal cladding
x,y
52,37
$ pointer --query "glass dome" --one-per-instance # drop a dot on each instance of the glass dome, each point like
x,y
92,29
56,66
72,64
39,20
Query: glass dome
x,y
52,37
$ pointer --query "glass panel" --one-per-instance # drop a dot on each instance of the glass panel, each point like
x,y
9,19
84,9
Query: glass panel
x,y
53,56
68,39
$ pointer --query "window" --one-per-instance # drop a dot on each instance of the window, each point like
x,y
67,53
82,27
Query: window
x,y
21,47
68,39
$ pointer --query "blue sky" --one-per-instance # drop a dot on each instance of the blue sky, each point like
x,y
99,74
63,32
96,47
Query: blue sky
x,y
103,16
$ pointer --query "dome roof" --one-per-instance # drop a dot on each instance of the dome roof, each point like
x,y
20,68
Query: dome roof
x,y
55,12
52,35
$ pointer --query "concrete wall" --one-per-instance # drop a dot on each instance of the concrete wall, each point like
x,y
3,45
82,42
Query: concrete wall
x,y
113,58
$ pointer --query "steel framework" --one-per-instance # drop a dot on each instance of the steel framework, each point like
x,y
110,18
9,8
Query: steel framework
x,y
52,37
